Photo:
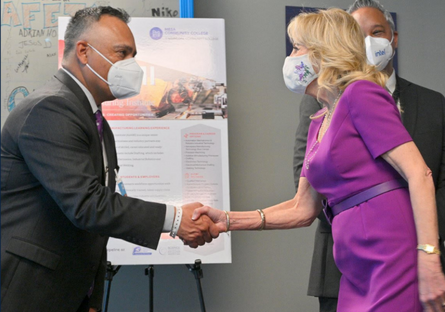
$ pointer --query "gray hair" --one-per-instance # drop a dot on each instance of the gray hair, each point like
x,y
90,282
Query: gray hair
x,y
84,18
372,4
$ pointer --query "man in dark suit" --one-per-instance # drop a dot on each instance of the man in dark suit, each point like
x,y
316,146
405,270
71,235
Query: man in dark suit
x,y
423,114
58,177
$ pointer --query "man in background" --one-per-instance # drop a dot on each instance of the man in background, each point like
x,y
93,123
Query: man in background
x,y
59,171
423,114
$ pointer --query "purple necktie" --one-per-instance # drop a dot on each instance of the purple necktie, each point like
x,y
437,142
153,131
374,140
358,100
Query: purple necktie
x,y
99,123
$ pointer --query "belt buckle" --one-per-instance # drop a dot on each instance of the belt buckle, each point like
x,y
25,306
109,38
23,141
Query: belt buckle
x,y
327,211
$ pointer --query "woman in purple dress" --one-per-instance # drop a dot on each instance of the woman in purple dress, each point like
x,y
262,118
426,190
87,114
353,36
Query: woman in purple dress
x,y
363,167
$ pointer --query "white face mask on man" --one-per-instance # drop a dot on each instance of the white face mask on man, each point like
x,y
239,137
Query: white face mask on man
x,y
298,73
124,77
379,51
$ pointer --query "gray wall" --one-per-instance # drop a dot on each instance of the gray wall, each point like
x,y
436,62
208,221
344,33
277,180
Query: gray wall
x,y
270,269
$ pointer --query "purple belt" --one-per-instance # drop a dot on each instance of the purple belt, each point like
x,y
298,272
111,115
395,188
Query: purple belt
x,y
331,212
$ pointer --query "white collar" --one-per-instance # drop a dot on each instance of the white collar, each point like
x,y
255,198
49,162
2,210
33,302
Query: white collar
x,y
391,82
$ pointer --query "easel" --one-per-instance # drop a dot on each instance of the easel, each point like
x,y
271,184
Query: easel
x,y
197,271
113,269
111,272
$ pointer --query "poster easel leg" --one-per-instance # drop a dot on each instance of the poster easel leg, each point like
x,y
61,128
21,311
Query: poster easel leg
x,y
111,272
150,271
197,272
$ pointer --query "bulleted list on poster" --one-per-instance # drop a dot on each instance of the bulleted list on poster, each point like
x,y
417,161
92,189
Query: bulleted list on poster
x,y
201,164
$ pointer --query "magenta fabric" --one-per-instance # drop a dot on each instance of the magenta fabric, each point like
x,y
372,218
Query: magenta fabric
x,y
374,242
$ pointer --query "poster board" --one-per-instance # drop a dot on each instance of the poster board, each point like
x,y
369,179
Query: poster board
x,y
172,139
29,34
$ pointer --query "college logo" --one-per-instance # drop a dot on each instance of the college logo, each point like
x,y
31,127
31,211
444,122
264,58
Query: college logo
x,y
156,33
142,251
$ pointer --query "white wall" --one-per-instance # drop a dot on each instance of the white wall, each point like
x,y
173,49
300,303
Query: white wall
x,y
270,269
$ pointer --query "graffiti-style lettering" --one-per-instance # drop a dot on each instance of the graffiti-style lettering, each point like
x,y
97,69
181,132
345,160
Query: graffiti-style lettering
x,y
10,15
12,101
51,11
28,16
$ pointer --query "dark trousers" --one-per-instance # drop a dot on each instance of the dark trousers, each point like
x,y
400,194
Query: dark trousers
x,y
328,304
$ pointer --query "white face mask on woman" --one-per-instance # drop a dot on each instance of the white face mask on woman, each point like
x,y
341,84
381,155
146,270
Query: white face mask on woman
x,y
379,51
124,77
298,73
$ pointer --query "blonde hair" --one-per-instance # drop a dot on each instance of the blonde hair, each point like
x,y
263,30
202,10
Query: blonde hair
x,y
336,46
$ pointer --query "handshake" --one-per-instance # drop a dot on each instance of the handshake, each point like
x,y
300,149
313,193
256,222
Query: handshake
x,y
200,224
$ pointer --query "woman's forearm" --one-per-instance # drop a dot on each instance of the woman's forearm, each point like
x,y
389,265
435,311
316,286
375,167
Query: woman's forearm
x,y
300,211
423,201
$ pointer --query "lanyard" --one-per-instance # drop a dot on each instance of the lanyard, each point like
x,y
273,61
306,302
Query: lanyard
x,y
105,163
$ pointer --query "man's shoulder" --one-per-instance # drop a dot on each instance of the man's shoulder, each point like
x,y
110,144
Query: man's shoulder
x,y
406,84
310,103
52,95
53,88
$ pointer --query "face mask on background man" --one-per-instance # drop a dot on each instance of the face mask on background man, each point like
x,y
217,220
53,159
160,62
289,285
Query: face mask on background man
x,y
124,77
379,51
298,73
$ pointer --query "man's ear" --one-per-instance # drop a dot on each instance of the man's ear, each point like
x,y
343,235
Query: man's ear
x,y
81,51
396,40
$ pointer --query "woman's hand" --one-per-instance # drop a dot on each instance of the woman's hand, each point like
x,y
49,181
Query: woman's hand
x,y
217,216
431,283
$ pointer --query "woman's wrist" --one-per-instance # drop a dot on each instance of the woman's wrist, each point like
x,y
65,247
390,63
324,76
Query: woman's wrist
x,y
263,219
227,221
429,249
243,220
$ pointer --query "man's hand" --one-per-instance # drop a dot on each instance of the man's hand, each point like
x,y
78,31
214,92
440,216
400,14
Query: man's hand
x,y
196,233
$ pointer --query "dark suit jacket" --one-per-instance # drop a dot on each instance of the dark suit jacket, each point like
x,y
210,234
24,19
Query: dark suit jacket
x,y
424,117
56,213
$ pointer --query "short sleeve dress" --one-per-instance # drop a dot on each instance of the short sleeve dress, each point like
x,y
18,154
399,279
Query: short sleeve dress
x,y
375,241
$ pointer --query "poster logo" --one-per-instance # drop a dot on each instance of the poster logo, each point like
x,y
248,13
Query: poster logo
x,y
141,251
156,33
